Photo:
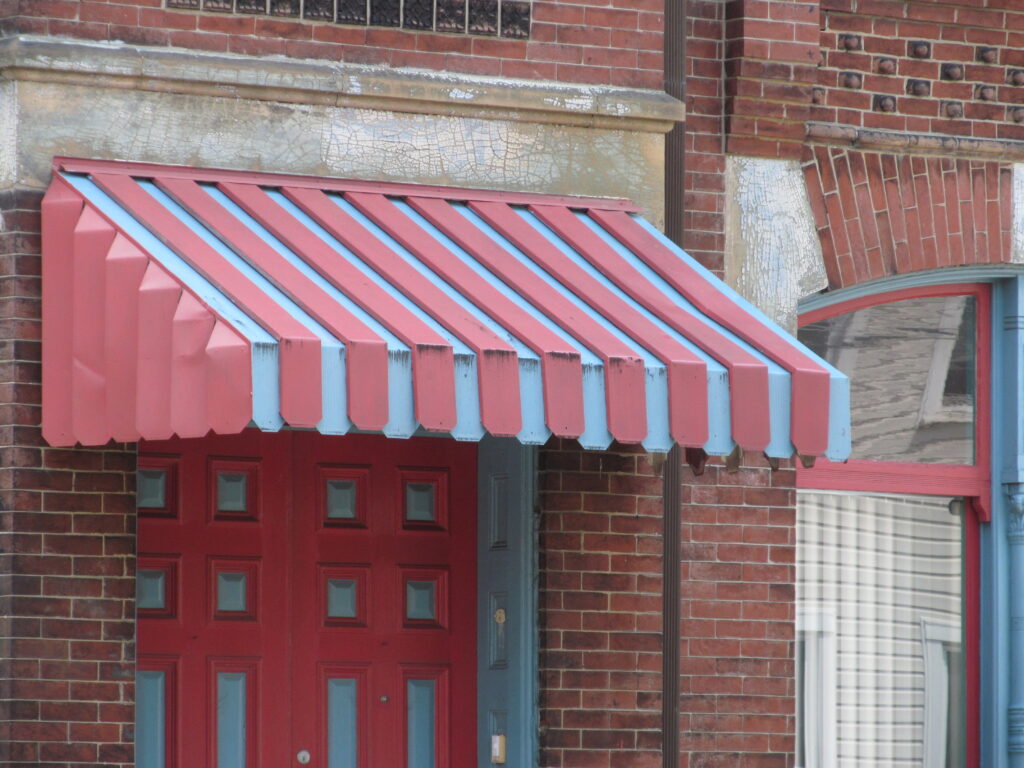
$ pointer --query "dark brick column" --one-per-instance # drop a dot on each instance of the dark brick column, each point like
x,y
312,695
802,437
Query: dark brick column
x,y
67,550
737,618
600,604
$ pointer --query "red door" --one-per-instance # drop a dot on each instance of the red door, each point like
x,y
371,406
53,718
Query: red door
x,y
307,600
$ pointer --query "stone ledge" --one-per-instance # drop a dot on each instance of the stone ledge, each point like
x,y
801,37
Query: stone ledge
x,y
877,140
306,81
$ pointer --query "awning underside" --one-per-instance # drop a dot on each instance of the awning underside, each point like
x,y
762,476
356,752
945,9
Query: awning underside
x,y
179,301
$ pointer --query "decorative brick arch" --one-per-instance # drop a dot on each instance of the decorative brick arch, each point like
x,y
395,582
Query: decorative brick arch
x,y
881,214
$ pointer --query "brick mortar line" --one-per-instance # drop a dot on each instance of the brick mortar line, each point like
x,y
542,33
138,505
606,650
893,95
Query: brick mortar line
x,y
879,140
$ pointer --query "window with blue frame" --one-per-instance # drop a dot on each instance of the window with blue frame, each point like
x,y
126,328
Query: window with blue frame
x,y
887,571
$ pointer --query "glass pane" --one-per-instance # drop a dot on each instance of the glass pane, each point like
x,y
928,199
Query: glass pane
x,y
341,598
483,17
231,489
419,502
515,19
879,624
351,11
341,499
150,719
451,15
912,372
318,9
342,721
385,13
150,590
420,695
419,600
231,591
151,491
418,14
231,720
284,7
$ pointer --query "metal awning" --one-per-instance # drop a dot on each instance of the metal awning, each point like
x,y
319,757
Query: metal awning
x,y
181,300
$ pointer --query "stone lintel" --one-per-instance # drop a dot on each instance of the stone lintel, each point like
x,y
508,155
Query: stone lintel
x,y
878,140
336,84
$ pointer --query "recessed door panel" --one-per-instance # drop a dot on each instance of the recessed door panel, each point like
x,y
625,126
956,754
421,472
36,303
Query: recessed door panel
x,y
318,597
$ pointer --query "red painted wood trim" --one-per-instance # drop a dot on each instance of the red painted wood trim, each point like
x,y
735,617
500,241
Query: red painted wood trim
x,y
433,361
158,300
497,362
190,333
892,477
748,376
972,635
562,371
366,372
624,370
875,299
229,384
810,382
230,414
154,170
366,351
93,238
942,479
433,357
687,372
299,348
61,208
125,268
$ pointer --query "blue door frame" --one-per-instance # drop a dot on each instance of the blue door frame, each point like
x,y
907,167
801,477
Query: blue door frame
x,y
507,673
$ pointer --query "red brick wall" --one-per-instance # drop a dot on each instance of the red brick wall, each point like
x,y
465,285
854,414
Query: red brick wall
x,y
600,608
862,39
882,214
704,177
771,51
615,42
738,540
67,563
753,94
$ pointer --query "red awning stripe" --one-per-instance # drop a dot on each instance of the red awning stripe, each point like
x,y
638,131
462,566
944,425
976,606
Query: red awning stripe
x,y
233,297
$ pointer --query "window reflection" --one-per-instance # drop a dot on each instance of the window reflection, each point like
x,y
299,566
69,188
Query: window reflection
x,y
880,662
912,377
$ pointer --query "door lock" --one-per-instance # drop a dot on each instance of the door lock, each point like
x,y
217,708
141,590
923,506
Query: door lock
x,y
303,756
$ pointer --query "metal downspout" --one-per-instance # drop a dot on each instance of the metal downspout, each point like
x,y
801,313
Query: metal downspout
x,y
675,164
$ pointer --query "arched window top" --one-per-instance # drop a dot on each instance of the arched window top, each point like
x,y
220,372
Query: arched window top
x,y
912,359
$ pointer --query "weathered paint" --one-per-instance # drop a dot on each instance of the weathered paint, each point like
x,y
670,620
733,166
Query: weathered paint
x,y
773,255
448,305
1017,249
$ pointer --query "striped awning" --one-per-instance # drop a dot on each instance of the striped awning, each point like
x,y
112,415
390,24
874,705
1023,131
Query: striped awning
x,y
177,301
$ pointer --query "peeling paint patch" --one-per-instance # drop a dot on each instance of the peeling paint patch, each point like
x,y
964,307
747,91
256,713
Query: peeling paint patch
x,y
336,141
1017,250
773,256
8,134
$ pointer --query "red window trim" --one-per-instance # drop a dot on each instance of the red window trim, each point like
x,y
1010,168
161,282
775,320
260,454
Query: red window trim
x,y
973,481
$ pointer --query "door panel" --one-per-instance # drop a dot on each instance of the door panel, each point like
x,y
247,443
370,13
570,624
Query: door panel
x,y
506,668
308,593
220,612
407,540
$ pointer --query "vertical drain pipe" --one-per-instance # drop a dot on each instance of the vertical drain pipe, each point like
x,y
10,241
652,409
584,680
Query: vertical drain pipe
x,y
675,164
671,478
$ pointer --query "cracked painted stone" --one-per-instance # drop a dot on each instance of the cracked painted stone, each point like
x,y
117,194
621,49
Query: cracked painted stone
x,y
1017,250
8,134
773,255
240,133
